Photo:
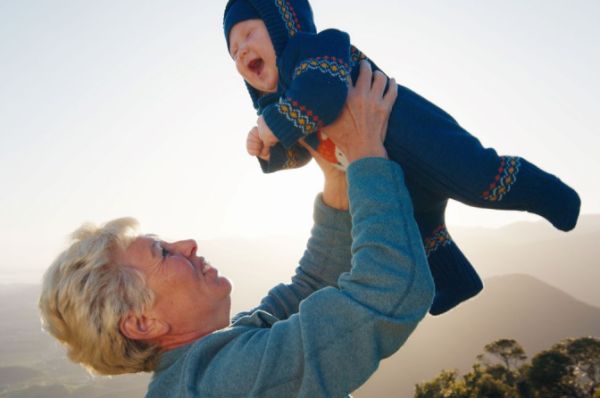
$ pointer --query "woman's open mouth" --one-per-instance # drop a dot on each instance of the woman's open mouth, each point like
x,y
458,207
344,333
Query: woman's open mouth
x,y
205,266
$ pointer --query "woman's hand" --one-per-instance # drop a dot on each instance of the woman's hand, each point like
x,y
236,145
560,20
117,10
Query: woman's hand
x,y
360,130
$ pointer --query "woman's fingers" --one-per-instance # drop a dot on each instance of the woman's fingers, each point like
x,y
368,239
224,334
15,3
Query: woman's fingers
x,y
363,83
360,129
386,103
390,96
378,86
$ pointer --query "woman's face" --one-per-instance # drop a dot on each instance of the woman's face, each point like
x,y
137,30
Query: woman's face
x,y
189,293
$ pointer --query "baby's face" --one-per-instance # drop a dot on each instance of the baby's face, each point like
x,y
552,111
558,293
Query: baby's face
x,y
251,48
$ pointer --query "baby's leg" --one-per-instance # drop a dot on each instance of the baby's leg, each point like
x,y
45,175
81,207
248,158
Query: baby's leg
x,y
442,156
455,278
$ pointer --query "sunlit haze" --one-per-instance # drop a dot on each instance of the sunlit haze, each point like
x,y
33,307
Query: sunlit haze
x,y
130,108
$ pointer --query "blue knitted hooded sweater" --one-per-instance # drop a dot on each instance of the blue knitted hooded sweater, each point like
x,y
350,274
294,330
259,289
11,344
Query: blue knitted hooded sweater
x,y
441,159
309,64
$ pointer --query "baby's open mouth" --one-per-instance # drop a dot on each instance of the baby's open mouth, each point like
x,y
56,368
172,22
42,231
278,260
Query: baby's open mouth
x,y
256,65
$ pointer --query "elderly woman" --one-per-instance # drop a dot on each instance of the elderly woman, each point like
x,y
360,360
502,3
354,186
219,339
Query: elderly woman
x,y
123,303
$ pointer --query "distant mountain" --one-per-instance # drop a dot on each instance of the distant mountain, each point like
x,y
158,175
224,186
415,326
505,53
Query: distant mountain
x,y
570,261
522,307
35,365
516,306
528,232
16,374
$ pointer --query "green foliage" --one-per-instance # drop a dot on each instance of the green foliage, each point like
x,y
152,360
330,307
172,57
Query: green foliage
x,y
508,351
584,370
570,368
444,385
549,374
489,387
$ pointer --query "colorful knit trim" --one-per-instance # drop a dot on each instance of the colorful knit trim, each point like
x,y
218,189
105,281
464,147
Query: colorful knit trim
x,y
303,118
506,177
439,238
292,160
329,65
289,16
356,56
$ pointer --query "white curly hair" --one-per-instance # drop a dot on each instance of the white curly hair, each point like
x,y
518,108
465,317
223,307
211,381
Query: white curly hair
x,y
85,293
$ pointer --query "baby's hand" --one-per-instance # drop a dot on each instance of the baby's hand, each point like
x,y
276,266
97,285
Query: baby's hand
x,y
255,146
265,133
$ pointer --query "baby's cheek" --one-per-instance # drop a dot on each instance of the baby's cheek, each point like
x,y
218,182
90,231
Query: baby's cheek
x,y
240,69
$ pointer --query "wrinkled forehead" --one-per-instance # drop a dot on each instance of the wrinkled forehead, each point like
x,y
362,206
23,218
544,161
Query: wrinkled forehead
x,y
141,251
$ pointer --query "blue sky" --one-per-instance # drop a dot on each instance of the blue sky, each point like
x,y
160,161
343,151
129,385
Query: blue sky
x,y
133,108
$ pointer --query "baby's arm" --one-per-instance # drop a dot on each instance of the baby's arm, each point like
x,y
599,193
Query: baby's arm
x,y
318,69
260,140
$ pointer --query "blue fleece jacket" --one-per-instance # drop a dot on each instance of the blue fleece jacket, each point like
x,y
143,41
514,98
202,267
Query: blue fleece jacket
x,y
355,299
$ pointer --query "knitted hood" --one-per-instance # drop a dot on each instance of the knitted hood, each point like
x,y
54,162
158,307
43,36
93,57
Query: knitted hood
x,y
283,18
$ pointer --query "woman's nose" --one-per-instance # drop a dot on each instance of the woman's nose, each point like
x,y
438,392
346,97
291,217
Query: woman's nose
x,y
186,247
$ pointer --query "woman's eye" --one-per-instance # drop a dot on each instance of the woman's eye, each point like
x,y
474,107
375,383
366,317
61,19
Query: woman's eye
x,y
165,252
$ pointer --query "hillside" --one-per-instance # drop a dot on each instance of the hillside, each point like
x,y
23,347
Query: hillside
x,y
570,261
534,313
518,306
555,295
33,365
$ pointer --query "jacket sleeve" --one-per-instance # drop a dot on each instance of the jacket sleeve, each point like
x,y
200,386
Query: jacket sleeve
x,y
339,335
318,69
327,255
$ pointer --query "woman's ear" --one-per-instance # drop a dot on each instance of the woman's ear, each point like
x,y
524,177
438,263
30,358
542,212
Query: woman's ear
x,y
142,327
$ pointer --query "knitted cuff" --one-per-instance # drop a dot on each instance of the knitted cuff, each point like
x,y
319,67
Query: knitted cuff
x,y
287,123
284,159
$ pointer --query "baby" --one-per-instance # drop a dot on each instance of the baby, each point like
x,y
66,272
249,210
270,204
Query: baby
x,y
298,80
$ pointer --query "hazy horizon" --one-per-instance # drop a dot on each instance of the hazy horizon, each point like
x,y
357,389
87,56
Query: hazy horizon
x,y
126,108
535,313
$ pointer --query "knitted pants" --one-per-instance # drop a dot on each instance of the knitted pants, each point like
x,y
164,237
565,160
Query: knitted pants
x,y
442,161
